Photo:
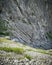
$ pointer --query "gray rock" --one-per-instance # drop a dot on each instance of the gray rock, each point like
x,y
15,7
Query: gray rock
x,y
29,21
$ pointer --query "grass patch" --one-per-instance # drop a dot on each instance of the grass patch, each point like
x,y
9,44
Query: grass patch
x,y
28,56
43,51
16,50
6,41
49,52
22,48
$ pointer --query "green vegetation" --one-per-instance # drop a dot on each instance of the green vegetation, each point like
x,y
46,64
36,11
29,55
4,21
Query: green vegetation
x,y
44,51
4,33
5,40
49,35
16,50
28,56
24,21
3,27
29,22
20,47
49,52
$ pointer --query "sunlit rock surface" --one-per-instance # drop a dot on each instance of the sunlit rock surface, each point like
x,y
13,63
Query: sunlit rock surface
x,y
29,21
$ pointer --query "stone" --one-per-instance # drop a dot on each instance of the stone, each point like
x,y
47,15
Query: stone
x,y
28,21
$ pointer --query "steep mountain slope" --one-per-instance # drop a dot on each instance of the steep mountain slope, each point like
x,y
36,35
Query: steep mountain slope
x,y
12,53
29,21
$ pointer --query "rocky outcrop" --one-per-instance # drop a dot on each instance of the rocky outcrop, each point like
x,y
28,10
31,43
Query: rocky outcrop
x,y
29,21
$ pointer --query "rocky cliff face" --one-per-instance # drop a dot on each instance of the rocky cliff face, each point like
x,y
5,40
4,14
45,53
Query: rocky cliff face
x,y
29,21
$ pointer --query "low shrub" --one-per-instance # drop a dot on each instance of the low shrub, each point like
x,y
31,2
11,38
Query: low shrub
x,y
16,50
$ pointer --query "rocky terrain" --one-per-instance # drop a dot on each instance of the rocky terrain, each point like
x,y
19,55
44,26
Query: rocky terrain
x,y
29,21
25,32
13,53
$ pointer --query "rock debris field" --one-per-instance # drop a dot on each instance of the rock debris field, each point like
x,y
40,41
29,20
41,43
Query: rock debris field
x,y
13,53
